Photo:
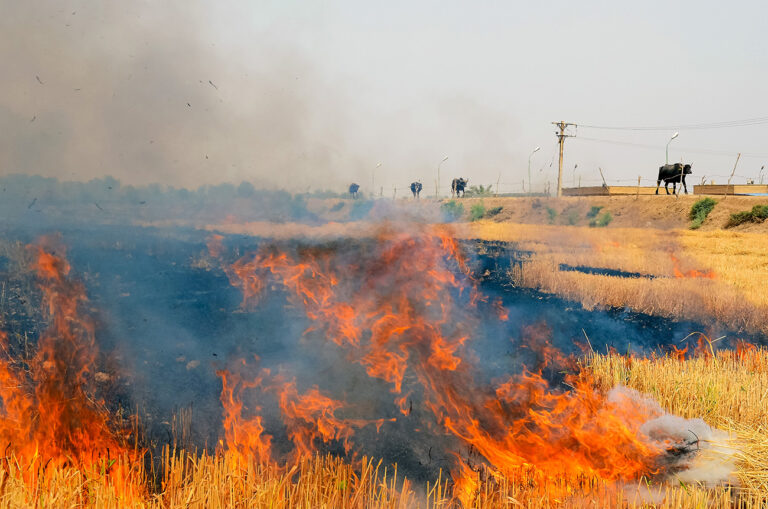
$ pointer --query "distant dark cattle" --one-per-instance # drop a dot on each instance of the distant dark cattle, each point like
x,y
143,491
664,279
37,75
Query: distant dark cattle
x,y
457,186
353,189
672,174
416,189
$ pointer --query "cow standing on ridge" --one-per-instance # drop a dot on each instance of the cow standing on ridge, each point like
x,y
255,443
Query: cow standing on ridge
x,y
672,174
416,189
353,189
457,186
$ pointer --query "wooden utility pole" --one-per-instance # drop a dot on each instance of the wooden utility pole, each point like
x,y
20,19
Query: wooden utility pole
x,y
561,136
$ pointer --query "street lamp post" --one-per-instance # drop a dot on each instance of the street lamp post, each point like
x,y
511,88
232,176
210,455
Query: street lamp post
x,y
529,168
437,182
670,141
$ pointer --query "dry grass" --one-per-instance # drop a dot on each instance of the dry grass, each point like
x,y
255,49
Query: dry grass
x,y
729,390
674,262
322,481
739,259
224,481
39,484
695,299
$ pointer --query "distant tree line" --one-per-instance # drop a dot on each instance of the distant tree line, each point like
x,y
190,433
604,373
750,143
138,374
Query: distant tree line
x,y
107,200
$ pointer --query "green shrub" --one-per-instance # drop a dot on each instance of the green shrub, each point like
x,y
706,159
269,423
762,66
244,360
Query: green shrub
x,y
594,211
493,211
572,218
739,218
700,211
452,211
476,211
602,220
552,213
758,214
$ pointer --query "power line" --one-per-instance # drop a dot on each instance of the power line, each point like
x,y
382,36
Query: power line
x,y
708,125
680,149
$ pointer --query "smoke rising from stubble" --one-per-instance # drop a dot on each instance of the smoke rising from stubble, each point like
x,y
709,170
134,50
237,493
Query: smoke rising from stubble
x,y
145,93
161,93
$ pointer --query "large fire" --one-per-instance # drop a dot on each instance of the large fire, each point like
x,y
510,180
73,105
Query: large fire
x,y
404,309
408,309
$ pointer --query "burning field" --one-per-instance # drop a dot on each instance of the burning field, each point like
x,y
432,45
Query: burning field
x,y
396,370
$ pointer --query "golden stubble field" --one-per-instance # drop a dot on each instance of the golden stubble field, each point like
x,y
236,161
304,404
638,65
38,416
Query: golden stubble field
x,y
706,276
726,389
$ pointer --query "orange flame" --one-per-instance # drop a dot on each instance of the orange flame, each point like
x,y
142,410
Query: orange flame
x,y
677,353
693,273
744,349
244,434
49,414
309,417
405,308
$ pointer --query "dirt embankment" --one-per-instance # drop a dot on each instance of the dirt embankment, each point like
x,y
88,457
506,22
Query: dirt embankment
x,y
661,212
665,212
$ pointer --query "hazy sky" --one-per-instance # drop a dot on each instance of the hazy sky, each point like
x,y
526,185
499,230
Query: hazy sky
x,y
315,94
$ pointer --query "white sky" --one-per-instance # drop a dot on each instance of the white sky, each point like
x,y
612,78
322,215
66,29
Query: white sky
x,y
315,94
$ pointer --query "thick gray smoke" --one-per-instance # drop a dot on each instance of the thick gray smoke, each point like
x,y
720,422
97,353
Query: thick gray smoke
x,y
697,453
195,93
143,92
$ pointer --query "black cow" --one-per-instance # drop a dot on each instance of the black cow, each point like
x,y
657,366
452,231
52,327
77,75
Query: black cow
x,y
671,174
457,186
353,189
416,189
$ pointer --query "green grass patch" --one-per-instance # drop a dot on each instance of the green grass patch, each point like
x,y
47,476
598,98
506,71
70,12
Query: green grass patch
x,y
700,211
602,220
552,213
452,211
758,214
476,211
